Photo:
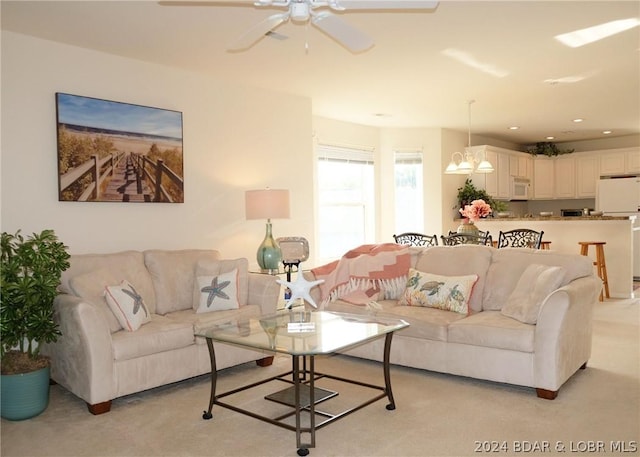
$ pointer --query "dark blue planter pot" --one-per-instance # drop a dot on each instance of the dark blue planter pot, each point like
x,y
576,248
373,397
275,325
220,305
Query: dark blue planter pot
x,y
24,395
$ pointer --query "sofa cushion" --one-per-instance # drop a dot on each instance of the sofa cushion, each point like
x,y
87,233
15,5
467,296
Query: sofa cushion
x,y
160,335
459,260
449,293
127,305
90,287
127,265
173,276
492,329
218,293
508,264
378,306
214,268
425,323
533,287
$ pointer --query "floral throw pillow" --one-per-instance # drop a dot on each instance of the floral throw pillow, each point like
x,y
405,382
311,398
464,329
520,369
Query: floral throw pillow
x,y
218,293
127,305
449,293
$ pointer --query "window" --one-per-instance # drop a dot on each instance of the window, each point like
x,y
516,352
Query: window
x,y
409,202
346,200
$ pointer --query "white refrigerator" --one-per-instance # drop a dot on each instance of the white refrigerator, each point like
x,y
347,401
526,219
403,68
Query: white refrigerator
x,y
621,197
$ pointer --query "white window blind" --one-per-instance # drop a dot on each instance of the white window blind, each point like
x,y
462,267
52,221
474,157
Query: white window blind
x,y
409,192
346,217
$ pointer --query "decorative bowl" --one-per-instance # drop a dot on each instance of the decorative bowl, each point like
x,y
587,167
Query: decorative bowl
x,y
546,213
503,214
595,213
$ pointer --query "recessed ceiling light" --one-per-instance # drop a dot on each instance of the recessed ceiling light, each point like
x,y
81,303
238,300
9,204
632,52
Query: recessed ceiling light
x,y
381,115
514,127
578,120
550,138
607,132
581,37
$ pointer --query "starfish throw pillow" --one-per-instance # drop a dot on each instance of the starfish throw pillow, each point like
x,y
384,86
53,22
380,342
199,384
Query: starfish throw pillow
x,y
127,305
219,292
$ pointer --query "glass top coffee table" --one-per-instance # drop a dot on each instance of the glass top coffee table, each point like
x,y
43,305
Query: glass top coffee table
x,y
302,335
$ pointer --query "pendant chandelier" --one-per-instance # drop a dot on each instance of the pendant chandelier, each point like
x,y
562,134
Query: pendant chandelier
x,y
469,162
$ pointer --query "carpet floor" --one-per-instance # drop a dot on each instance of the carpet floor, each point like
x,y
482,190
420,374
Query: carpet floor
x,y
597,411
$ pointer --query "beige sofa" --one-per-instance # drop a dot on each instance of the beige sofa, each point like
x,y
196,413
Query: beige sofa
x,y
98,360
486,343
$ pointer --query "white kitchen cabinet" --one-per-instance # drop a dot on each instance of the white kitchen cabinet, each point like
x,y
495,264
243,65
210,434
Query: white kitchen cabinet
x,y
504,179
486,181
498,183
565,177
587,174
519,165
543,178
619,161
633,161
612,163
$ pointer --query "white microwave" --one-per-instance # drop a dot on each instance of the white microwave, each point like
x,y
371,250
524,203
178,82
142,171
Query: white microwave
x,y
519,189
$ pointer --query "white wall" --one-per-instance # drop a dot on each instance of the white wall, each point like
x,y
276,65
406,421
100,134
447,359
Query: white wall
x,y
428,141
235,138
437,145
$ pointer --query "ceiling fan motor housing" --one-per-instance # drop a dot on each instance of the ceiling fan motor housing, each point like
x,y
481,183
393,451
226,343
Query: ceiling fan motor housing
x,y
299,11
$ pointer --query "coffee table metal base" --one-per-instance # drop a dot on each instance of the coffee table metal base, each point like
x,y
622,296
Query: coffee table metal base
x,y
287,396
302,396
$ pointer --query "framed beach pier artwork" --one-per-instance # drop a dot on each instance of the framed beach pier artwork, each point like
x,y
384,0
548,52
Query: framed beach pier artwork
x,y
118,152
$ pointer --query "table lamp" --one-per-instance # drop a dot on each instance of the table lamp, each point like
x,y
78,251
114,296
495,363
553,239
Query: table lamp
x,y
268,204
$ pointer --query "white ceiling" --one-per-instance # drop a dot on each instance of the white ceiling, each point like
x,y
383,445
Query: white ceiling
x,y
406,79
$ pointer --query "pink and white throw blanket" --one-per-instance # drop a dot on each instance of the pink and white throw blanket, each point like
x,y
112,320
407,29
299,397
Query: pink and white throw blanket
x,y
363,273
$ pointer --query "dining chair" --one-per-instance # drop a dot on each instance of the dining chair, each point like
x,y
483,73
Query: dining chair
x,y
520,238
455,238
416,239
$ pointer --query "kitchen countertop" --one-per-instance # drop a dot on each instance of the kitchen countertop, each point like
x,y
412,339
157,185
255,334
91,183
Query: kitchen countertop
x,y
564,233
558,218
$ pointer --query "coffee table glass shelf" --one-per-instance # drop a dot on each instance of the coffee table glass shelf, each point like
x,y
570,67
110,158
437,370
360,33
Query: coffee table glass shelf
x,y
303,335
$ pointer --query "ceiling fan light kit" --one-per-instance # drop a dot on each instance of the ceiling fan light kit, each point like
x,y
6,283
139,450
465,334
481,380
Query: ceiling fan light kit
x,y
469,162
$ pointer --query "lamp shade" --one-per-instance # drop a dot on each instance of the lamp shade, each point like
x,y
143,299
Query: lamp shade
x,y
267,204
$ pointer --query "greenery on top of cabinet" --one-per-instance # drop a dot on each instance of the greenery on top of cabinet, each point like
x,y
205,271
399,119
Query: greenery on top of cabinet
x,y
548,149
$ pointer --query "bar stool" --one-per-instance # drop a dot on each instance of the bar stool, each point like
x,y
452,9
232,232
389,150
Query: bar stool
x,y
545,245
600,263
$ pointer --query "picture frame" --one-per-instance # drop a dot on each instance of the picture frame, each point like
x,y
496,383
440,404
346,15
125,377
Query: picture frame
x,y
295,249
111,151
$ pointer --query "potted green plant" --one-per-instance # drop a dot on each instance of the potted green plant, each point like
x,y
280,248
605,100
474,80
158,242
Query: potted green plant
x,y
469,192
31,270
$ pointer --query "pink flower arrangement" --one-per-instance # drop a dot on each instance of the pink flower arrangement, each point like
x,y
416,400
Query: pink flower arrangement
x,y
476,210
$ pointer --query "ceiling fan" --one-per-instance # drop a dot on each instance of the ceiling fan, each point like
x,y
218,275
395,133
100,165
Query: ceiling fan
x,y
319,13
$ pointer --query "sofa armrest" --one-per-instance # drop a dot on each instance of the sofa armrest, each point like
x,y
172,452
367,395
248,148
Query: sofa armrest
x,y
82,358
264,291
563,332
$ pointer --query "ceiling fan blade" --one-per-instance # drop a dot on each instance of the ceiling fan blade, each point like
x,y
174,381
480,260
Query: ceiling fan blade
x,y
348,36
387,4
207,3
258,31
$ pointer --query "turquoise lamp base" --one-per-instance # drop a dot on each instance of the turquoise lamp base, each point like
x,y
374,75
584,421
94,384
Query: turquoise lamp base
x,y
269,254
